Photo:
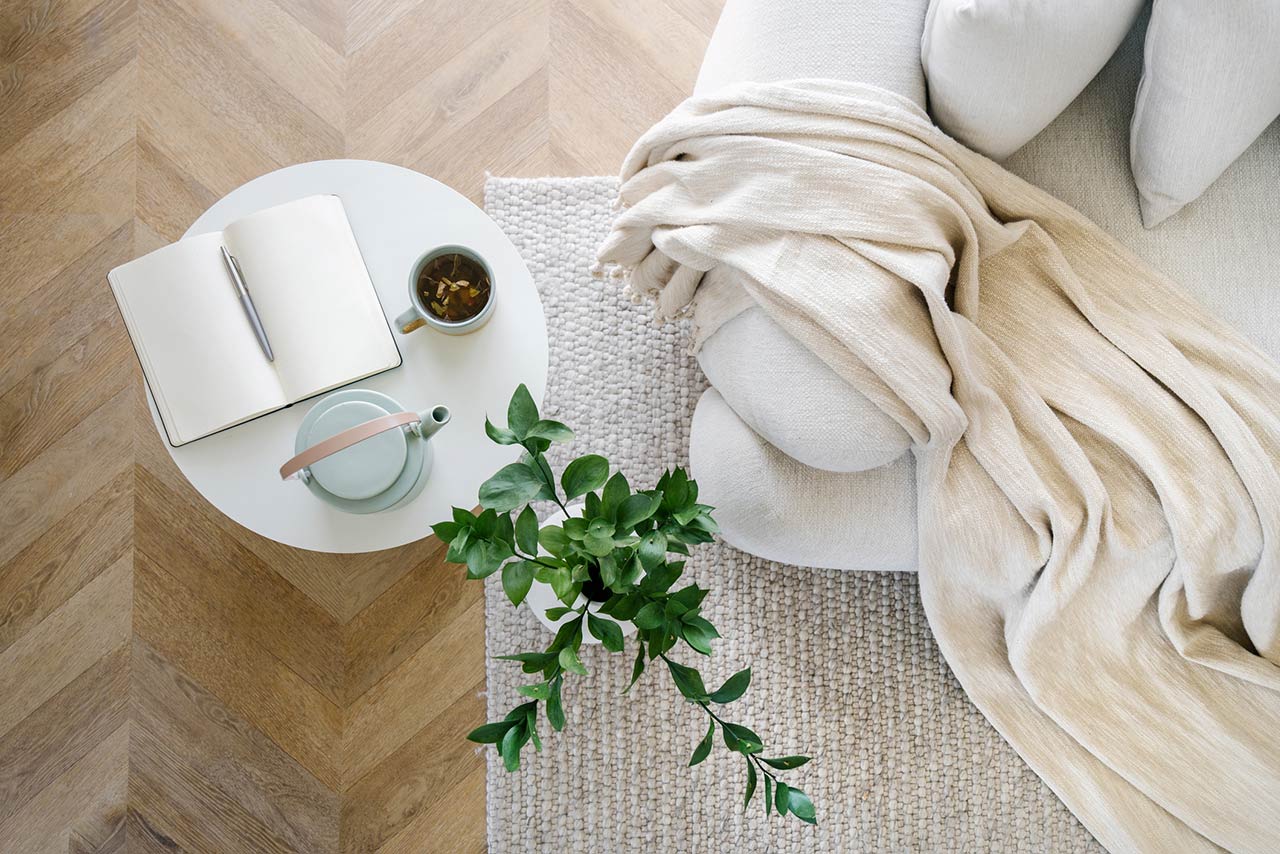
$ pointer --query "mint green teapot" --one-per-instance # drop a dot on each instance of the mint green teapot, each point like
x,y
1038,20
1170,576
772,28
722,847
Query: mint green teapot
x,y
362,452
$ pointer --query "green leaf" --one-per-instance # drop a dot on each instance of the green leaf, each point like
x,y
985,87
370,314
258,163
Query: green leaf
x,y
675,490
703,750
751,785
511,743
733,688
569,634
517,578
569,661
739,738
636,508
660,578
575,528
552,431
785,763
800,805
458,548
653,548
598,545
559,578
501,435
625,606
631,573
526,531
485,558
615,491
695,636
608,571
523,657
490,733
768,795
688,681
540,691
702,623
533,731
590,505
553,539
446,531
522,412
557,612
637,668
522,711
584,474
690,597
555,709
486,524
780,797
607,632
465,518
705,524
530,662
505,529
513,485
660,641
650,616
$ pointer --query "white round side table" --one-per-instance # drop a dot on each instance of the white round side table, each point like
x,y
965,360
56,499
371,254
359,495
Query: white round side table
x,y
396,214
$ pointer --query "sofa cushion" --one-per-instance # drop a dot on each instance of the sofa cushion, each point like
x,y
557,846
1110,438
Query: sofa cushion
x,y
790,398
770,505
999,71
764,41
1210,85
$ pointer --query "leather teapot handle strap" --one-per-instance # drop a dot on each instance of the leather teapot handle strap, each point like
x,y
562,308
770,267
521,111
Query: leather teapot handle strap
x,y
345,439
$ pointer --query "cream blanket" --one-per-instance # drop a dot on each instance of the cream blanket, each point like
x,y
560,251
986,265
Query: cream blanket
x,y
1097,458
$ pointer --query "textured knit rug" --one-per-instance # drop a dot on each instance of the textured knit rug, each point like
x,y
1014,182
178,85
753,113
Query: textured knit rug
x,y
844,667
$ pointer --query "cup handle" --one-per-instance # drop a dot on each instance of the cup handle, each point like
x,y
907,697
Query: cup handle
x,y
409,321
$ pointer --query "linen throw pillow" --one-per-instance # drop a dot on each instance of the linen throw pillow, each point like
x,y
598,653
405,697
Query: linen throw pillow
x,y
998,71
1210,85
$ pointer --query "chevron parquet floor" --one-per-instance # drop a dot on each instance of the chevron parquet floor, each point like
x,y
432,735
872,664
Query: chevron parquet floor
x,y
168,680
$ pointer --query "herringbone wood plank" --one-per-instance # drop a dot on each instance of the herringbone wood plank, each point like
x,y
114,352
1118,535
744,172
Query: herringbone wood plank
x,y
170,681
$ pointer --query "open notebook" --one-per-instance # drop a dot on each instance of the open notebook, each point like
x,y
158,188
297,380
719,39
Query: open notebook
x,y
201,359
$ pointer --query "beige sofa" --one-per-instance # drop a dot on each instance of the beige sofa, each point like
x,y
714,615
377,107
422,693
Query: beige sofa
x,y
803,469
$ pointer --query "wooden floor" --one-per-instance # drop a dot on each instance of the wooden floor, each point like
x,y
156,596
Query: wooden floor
x,y
168,680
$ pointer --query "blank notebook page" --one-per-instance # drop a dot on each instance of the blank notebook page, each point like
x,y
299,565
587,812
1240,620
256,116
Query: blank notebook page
x,y
314,295
204,364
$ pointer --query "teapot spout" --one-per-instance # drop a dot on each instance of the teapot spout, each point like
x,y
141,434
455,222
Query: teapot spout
x,y
432,420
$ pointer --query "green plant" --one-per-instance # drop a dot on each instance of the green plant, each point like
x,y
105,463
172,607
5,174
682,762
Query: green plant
x,y
614,554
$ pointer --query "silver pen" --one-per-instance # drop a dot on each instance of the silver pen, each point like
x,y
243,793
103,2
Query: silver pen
x,y
233,267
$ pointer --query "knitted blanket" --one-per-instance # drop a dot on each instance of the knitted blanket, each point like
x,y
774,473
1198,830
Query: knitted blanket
x,y
1097,458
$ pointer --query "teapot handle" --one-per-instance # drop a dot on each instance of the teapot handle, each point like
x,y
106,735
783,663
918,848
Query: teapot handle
x,y
345,439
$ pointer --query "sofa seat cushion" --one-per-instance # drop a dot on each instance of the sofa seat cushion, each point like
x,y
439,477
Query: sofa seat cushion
x,y
771,505
791,399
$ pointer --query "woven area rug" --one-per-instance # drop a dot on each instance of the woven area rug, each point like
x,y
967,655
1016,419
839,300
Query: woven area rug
x,y
844,667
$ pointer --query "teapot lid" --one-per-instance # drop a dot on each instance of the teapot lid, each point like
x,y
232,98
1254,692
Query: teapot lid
x,y
365,469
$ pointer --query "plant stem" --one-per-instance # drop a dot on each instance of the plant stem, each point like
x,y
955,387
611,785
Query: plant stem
x,y
751,757
524,556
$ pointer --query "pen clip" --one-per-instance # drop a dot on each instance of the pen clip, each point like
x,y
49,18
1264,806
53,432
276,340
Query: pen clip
x,y
237,274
